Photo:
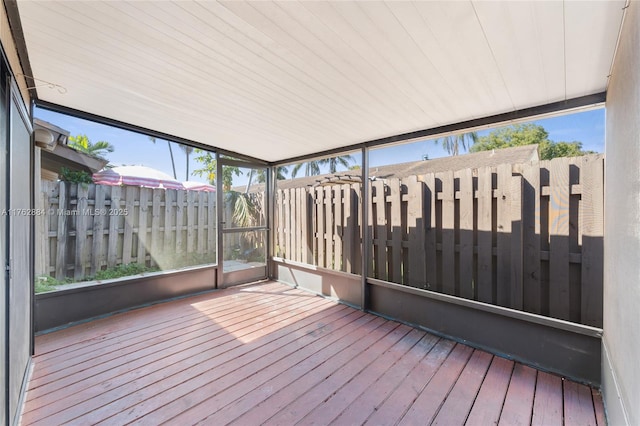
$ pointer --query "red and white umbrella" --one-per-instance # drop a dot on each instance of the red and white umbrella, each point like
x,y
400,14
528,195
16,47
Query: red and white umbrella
x,y
198,186
136,176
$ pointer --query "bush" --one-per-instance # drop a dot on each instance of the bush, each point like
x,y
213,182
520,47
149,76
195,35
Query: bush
x,y
75,176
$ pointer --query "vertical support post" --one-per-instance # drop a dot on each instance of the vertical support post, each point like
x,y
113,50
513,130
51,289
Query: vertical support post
x,y
220,218
366,243
270,188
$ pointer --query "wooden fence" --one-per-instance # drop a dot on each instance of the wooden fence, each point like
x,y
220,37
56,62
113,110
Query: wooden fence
x,y
86,228
528,237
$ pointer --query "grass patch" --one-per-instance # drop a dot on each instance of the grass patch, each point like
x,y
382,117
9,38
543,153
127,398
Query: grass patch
x,y
121,271
46,283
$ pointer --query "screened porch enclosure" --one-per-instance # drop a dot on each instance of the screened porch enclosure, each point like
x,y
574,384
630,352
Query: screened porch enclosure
x,y
494,293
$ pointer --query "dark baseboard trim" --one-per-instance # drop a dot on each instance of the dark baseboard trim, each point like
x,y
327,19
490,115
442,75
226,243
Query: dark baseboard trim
x,y
340,286
61,308
567,349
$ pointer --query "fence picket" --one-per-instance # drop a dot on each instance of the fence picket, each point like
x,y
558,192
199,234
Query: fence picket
x,y
319,226
356,209
485,235
515,283
288,225
338,241
348,228
156,240
201,223
191,222
532,273
143,229
465,266
98,229
431,255
281,224
299,247
396,230
592,225
448,232
61,248
114,227
559,284
379,199
327,236
503,241
82,226
180,222
127,241
169,220
416,268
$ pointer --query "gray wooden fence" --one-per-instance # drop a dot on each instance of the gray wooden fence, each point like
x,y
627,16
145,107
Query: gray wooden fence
x,y
527,236
86,228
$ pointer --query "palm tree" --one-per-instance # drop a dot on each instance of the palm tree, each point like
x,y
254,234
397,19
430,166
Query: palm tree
x,y
187,150
82,144
334,162
312,168
453,143
173,163
280,174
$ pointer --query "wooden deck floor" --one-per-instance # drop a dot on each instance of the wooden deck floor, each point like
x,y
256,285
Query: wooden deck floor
x,y
270,354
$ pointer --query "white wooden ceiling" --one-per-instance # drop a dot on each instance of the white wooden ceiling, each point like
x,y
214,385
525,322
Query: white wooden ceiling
x,y
275,80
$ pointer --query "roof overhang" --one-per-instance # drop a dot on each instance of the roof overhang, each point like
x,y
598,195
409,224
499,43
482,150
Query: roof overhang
x,y
278,80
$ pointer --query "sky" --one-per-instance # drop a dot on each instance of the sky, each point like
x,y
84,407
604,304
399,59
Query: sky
x,y
136,149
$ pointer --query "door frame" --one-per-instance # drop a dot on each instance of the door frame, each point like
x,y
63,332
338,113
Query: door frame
x,y
227,279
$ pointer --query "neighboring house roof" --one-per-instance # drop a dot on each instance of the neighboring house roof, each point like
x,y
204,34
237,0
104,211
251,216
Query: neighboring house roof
x,y
516,155
55,153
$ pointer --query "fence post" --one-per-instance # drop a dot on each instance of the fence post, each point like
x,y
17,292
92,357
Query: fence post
x,y
61,248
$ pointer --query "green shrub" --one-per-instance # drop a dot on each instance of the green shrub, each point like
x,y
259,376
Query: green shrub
x,y
75,176
46,283
122,271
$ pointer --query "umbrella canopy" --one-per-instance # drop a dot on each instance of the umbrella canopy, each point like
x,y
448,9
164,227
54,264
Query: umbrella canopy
x,y
136,176
198,186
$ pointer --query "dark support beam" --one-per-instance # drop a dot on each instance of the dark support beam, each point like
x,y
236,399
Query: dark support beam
x,y
364,220
270,196
220,225
138,129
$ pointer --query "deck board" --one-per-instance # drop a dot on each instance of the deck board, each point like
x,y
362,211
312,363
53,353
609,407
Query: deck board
x,y
271,354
